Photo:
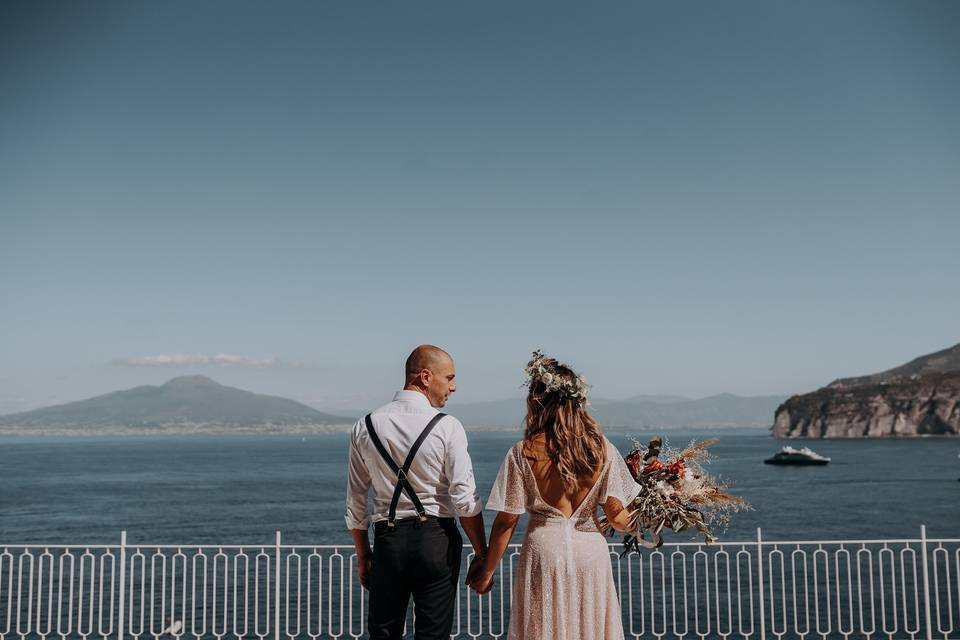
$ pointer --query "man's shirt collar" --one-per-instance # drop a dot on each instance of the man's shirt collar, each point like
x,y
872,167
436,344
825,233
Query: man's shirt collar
x,y
413,397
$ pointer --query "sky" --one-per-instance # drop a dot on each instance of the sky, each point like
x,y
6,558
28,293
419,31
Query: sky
x,y
676,198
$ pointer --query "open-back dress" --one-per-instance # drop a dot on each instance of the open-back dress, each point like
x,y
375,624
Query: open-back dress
x,y
563,588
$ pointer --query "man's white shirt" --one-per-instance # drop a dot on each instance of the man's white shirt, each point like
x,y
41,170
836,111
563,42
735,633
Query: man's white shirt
x,y
441,473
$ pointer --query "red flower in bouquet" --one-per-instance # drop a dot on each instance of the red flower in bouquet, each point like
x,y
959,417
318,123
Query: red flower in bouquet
x,y
677,468
655,465
634,461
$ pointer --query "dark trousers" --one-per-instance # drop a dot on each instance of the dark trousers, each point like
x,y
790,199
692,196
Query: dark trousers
x,y
420,561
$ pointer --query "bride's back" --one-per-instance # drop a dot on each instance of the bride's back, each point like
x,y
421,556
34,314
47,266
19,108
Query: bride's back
x,y
546,474
563,445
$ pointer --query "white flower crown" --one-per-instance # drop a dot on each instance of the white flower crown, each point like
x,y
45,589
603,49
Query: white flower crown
x,y
540,369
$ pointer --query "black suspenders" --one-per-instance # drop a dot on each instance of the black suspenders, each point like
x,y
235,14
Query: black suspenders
x,y
402,483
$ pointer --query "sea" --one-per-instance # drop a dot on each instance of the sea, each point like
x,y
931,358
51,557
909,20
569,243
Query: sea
x,y
242,489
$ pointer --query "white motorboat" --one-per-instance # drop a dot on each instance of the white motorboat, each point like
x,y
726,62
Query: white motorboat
x,y
803,456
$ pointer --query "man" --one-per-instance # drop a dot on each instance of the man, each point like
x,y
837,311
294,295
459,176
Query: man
x,y
415,460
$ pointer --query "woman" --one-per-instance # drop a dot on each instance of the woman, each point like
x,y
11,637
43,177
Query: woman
x,y
559,473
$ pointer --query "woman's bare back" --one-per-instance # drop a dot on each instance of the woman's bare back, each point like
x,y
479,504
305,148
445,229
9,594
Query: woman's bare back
x,y
549,481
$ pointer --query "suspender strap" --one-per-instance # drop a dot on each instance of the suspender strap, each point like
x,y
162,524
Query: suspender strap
x,y
402,483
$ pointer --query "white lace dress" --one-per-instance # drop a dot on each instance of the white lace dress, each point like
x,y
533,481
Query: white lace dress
x,y
563,587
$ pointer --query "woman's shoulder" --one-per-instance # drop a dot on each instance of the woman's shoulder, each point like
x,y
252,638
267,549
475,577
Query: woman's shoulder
x,y
516,451
612,451
609,444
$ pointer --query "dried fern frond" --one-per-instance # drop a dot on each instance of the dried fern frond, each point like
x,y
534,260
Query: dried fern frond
x,y
698,451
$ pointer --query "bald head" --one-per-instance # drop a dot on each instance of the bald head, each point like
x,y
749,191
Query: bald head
x,y
426,356
430,370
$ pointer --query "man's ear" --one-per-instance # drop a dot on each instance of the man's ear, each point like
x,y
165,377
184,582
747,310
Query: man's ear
x,y
425,376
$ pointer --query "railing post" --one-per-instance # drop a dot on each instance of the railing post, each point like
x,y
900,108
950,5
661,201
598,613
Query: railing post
x,y
123,584
926,580
276,592
763,614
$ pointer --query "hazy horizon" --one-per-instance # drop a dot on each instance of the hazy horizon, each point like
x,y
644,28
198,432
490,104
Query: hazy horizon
x,y
454,400
754,198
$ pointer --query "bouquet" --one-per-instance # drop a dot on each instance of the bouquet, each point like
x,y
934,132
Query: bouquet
x,y
676,494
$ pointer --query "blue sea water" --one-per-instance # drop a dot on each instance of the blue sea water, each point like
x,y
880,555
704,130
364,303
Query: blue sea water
x,y
241,489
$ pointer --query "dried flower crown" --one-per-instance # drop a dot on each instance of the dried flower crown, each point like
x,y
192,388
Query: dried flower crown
x,y
541,368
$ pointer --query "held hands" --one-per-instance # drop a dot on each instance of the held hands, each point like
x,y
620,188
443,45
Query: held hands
x,y
476,565
483,582
478,578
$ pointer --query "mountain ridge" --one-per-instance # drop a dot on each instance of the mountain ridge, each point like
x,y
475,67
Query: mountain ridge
x,y
722,410
185,403
918,398
943,361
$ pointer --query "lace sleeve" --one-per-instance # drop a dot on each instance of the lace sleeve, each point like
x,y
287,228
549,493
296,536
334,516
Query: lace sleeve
x,y
508,494
619,481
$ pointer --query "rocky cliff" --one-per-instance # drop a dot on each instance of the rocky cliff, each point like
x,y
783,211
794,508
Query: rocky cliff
x,y
916,399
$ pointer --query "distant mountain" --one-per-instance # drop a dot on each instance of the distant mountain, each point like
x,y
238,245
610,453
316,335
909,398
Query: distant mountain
x,y
945,361
184,404
921,397
658,412
658,399
721,410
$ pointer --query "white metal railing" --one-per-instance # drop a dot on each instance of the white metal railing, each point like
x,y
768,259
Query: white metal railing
x,y
759,589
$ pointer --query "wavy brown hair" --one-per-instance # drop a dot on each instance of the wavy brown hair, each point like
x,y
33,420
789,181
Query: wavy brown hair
x,y
574,440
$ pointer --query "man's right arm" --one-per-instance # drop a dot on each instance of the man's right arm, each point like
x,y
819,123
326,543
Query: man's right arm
x,y
357,516
358,485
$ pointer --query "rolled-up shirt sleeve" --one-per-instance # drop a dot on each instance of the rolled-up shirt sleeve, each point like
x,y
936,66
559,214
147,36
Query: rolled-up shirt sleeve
x,y
459,471
358,485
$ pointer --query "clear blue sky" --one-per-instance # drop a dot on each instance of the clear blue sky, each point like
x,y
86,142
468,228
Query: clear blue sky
x,y
683,198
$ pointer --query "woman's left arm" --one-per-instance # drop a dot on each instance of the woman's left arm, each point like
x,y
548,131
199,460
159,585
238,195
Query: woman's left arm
x,y
617,516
